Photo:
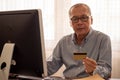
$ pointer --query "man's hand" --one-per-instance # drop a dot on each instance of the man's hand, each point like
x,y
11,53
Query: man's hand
x,y
90,65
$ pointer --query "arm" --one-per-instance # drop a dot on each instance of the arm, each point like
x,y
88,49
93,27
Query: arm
x,y
55,63
103,65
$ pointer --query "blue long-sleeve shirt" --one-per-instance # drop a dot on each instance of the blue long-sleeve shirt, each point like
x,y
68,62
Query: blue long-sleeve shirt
x,y
97,45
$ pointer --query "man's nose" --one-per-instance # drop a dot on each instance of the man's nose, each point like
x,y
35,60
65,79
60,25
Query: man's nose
x,y
80,21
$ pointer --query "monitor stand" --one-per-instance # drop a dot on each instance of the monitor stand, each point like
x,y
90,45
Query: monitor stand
x,y
5,60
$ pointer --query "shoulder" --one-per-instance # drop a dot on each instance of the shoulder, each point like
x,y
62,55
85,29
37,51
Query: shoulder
x,y
100,35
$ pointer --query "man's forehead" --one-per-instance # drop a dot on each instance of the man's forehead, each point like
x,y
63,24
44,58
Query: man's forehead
x,y
79,9
79,12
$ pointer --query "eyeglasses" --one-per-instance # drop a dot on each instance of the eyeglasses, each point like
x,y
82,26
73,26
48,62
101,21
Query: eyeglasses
x,y
75,19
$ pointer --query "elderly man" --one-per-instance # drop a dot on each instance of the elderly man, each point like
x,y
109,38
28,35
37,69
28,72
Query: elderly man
x,y
85,39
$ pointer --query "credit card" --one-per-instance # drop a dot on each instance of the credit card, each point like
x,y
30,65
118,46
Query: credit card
x,y
79,56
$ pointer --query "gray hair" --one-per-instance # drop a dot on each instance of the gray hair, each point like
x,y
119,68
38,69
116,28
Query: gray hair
x,y
80,4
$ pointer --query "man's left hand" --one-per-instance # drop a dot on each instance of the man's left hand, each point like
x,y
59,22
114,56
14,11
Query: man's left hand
x,y
90,65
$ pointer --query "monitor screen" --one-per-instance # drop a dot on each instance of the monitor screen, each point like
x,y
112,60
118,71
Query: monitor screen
x,y
25,29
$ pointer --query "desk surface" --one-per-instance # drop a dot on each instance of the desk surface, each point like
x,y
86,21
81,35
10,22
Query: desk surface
x,y
114,79
94,77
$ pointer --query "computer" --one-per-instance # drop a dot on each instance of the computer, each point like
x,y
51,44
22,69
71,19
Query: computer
x,y
23,29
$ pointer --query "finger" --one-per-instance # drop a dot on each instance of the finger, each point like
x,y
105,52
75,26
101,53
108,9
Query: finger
x,y
90,60
89,64
88,68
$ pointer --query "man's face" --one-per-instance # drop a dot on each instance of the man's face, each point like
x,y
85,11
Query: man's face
x,y
80,20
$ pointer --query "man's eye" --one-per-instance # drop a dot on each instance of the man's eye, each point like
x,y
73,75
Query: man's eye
x,y
84,17
75,18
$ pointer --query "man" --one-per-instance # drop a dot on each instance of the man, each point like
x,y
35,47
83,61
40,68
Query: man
x,y
96,44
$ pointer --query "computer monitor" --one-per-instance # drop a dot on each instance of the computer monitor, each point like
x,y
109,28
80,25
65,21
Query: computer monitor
x,y
25,29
